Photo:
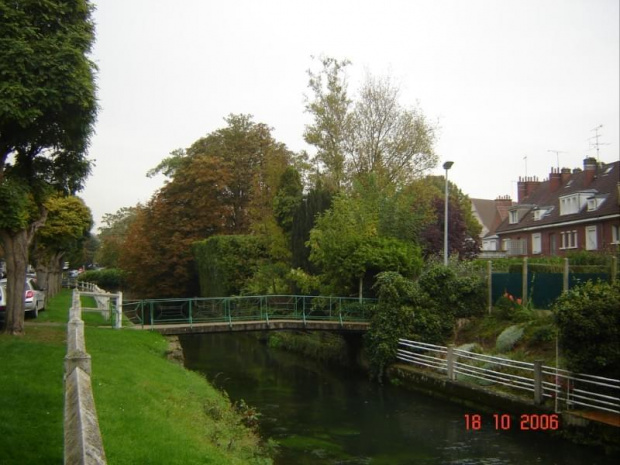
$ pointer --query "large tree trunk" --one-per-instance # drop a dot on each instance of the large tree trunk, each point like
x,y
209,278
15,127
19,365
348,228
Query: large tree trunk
x,y
16,255
49,273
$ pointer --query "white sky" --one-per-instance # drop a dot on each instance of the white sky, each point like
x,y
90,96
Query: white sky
x,y
504,79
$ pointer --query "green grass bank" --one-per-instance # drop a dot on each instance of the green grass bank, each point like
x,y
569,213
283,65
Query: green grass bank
x,y
151,410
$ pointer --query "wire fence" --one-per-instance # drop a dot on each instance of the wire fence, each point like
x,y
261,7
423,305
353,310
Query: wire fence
x,y
566,390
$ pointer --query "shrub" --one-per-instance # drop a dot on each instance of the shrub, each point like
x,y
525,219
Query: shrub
x,y
109,279
458,289
588,319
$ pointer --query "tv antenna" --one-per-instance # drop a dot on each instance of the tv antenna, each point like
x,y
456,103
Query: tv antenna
x,y
597,144
557,156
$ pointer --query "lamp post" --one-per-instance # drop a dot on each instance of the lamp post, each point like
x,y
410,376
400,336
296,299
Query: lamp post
x,y
446,166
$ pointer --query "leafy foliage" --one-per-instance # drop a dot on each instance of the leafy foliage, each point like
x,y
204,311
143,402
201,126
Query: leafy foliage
x,y
372,134
47,113
588,318
226,263
109,279
458,289
224,183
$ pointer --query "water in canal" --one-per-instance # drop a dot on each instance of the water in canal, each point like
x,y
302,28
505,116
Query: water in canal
x,y
330,415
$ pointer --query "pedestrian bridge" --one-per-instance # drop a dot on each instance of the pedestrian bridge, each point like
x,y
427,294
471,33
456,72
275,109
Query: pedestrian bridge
x,y
249,313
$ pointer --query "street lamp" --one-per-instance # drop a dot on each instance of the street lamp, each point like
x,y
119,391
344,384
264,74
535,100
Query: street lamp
x,y
446,166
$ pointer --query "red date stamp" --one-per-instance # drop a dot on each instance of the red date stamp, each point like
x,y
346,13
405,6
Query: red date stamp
x,y
525,422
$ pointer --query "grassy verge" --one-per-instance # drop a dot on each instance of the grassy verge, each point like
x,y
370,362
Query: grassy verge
x,y
150,410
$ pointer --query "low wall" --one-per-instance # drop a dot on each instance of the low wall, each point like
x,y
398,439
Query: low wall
x,y
83,443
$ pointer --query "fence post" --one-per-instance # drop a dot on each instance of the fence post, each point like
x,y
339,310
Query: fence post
x,y
450,359
538,386
524,282
490,284
119,311
565,281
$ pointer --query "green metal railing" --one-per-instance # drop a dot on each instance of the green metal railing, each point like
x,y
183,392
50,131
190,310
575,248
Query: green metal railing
x,y
196,310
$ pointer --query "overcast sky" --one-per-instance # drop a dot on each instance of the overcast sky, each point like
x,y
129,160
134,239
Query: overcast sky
x,y
504,80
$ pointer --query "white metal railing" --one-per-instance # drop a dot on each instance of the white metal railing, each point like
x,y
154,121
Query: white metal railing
x,y
563,387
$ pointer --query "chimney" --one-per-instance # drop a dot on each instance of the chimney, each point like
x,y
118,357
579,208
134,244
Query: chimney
x,y
555,180
502,205
526,186
565,175
589,167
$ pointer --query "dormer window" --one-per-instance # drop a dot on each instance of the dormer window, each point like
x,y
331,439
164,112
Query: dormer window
x,y
540,213
595,202
513,216
571,204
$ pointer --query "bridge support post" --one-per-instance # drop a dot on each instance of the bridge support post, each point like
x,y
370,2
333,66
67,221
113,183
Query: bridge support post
x,y
451,362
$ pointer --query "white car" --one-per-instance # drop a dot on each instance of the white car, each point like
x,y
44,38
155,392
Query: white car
x,y
34,297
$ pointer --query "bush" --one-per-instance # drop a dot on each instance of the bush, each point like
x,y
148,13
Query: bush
x,y
588,319
109,279
458,289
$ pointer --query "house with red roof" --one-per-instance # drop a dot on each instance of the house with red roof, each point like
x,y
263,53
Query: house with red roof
x,y
570,211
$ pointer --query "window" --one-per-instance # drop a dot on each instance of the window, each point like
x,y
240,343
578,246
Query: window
x,y
515,246
591,240
536,243
514,217
615,234
569,240
571,204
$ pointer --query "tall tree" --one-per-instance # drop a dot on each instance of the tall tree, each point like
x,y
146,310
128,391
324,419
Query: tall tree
x,y
330,109
66,229
388,139
47,113
225,183
372,133
112,235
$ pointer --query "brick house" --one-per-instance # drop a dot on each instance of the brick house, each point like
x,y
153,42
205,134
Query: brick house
x,y
572,210
490,214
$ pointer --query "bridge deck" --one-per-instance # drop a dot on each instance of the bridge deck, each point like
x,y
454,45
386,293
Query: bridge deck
x,y
272,325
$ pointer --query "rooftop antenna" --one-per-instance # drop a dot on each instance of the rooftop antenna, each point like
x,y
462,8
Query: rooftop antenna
x,y
596,142
525,158
557,156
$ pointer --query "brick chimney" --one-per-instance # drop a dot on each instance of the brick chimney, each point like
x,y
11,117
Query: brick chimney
x,y
555,180
589,167
526,186
565,175
502,204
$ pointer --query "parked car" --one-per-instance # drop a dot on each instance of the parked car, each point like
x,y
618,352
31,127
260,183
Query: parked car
x,y
34,297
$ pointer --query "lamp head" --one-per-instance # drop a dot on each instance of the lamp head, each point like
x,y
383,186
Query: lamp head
x,y
447,165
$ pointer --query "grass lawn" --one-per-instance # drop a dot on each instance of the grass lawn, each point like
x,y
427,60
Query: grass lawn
x,y
151,411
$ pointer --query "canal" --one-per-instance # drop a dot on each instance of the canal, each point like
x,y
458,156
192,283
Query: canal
x,y
331,415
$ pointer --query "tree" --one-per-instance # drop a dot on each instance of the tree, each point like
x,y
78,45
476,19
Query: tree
x,y
225,183
47,112
346,245
330,109
67,227
112,235
373,133
464,229
388,139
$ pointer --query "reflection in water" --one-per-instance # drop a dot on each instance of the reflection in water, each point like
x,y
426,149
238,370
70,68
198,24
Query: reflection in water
x,y
327,415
